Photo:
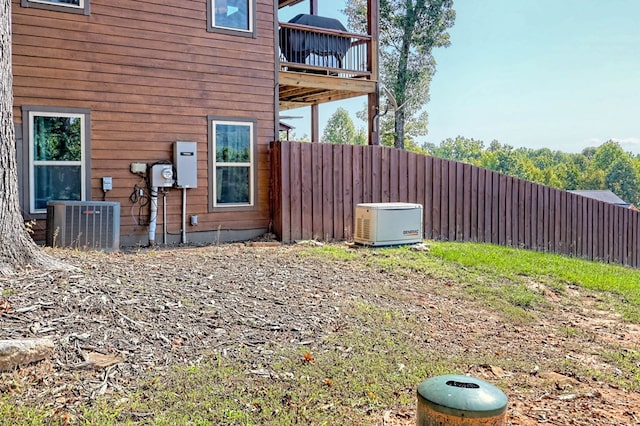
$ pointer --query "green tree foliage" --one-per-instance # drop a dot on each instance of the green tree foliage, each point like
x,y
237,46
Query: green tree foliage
x,y
361,137
607,166
607,154
622,178
57,138
591,178
458,149
340,128
409,31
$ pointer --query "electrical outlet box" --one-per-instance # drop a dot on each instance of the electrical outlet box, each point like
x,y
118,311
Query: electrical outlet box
x,y
107,183
138,168
185,156
161,175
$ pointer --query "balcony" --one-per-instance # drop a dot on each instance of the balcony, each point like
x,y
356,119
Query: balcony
x,y
320,61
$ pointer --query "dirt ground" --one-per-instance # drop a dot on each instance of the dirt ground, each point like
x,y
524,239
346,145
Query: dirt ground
x,y
130,313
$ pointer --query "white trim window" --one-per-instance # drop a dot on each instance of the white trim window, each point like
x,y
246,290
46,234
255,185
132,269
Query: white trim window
x,y
56,158
68,3
233,170
73,6
236,15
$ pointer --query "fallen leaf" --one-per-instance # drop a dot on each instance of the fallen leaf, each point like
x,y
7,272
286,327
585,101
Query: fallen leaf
x,y
66,419
177,342
497,371
5,307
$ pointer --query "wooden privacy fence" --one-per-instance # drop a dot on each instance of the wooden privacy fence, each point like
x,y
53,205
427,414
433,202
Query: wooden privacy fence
x,y
316,187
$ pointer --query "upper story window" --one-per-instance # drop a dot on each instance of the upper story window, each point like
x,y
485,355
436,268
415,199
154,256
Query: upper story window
x,y
232,159
231,15
73,6
58,156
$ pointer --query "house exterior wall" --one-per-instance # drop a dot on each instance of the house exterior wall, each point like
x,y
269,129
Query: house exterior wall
x,y
150,74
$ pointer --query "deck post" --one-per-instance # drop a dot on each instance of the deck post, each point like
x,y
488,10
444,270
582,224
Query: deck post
x,y
315,123
373,99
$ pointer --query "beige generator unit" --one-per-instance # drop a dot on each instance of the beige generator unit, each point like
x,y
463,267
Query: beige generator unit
x,y
387,224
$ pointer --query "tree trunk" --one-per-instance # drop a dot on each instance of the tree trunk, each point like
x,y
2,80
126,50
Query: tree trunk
x,y
17,248
401,95
398,141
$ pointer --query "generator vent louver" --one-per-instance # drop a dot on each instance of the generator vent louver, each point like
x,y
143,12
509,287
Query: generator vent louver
x,y
384,224
363,228
84,225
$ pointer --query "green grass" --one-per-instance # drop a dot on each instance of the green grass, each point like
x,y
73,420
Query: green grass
x,y
12,414
545,266
500,276
555,270
627,360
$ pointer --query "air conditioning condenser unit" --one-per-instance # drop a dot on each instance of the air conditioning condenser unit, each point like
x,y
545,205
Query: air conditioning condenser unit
x,y
86,225
386,224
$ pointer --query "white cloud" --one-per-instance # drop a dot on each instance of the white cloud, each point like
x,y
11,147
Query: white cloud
x,y
629,144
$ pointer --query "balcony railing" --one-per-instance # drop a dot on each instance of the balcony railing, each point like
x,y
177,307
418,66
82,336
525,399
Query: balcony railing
x,y
311,49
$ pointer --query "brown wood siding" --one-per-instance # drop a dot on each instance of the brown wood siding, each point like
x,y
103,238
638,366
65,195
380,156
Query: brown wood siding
x,y
150,74
461,202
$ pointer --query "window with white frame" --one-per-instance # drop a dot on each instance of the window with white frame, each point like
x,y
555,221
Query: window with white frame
x,y
57,156
77,6
236,15
232,163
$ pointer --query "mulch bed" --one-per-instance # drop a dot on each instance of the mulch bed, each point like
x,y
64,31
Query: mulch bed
x,y
135,312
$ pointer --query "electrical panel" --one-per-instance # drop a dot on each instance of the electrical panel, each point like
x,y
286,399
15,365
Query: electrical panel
x,y
161,175
185,157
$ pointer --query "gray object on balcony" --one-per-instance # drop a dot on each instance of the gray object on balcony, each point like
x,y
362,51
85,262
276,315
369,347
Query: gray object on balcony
x,y
298,44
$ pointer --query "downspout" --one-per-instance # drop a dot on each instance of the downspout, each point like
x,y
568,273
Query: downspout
x,y
153,215
184,215
164,217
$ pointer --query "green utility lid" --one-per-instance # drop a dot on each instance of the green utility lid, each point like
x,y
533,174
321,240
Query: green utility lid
x,y
451,393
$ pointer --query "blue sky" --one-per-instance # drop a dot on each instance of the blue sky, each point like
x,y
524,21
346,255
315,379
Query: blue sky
x,y
562,74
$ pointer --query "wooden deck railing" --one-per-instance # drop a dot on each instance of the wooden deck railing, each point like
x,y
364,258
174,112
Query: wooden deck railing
x,y
305,48
315,188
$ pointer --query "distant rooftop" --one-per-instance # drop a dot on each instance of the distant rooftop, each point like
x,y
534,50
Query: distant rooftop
x,y
602,195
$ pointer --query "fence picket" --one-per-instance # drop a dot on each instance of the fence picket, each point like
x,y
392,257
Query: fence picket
x,y
436,191
466,204
327,192
426,197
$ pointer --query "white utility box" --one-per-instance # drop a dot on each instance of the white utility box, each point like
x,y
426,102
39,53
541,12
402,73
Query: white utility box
x,y
387,224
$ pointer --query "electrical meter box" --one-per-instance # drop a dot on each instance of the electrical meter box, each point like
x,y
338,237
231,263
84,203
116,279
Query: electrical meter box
x,y
161,175
185,157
